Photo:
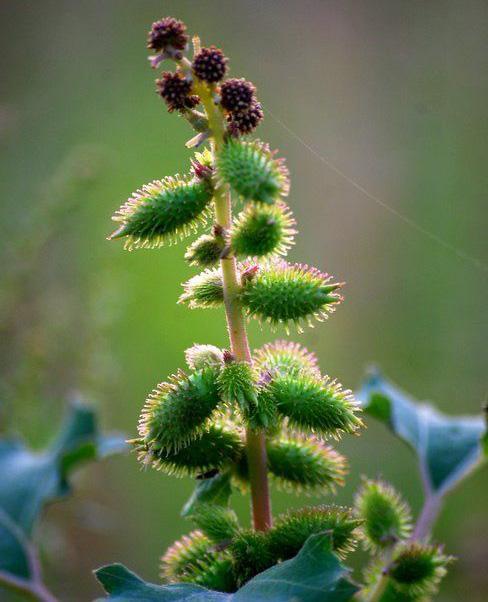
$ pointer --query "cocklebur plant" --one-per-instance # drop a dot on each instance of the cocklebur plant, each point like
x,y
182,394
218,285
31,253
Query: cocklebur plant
x,y
235,419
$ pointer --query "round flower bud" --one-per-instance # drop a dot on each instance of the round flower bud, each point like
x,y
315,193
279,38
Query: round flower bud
x,y
167,34
175,89
253,171
210,65
245,122
237,95
163,212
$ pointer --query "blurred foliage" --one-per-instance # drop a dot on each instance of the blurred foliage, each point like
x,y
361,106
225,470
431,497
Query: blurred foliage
x,y
30,480
392,93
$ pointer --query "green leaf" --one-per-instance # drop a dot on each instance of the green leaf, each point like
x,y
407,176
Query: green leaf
x,y
124,586
314,575
31,479
216,490
448,447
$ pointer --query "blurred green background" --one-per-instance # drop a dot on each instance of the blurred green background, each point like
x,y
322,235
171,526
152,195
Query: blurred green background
x,y
393,93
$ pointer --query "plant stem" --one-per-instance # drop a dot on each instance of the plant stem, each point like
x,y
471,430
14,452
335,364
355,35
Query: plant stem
x,y
33,591
255,440
427,517
378,589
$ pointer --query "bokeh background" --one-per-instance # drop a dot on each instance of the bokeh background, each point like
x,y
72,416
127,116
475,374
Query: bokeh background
x,y
392,93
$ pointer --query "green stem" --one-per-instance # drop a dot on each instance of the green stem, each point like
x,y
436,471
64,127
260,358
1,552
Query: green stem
x,y
378,589
255,440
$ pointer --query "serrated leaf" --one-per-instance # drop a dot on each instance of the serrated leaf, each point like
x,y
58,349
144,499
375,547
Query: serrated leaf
x,y
216,490
31,479
314,575
447,447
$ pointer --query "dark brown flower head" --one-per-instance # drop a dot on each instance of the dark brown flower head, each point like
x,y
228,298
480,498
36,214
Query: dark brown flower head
x,y
175,89
244,122
167,34
210,64
237,95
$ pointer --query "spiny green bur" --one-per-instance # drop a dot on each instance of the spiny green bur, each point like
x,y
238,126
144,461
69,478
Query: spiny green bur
x,y
314,404
215,448
204,290
417,569
205,251
163,212
305,465
286,358
178,410
386,516
283,293
263,230
251,169
239,416
294,528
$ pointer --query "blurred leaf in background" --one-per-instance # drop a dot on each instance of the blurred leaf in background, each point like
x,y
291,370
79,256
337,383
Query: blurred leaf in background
x,y
32,479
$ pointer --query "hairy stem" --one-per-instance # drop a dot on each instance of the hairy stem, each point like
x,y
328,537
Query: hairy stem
x,y
255,440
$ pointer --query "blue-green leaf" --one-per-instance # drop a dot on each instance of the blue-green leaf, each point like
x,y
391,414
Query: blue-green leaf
x,y
216,490
14,549
31,479
448,447
124,586
314,575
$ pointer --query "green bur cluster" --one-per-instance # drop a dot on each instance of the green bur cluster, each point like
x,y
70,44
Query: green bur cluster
x,y
198,423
